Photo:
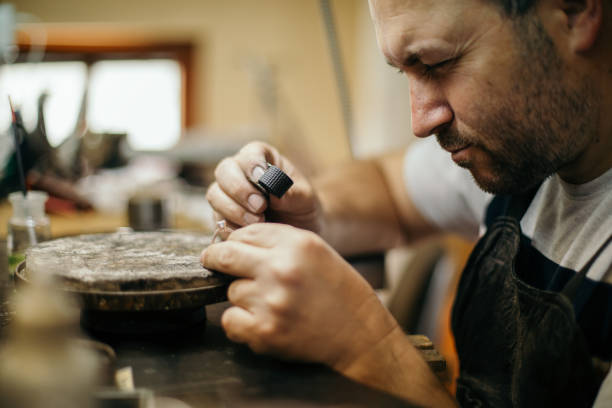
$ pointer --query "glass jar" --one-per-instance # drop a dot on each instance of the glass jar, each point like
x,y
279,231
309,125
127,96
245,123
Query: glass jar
x,y
28,226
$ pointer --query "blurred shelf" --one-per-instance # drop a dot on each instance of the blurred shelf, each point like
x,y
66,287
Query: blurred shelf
x,y
91,222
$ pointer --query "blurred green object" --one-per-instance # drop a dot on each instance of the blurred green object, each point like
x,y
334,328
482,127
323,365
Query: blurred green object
x,y
27,226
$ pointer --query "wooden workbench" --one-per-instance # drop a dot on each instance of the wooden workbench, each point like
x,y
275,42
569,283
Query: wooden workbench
x,y
89,222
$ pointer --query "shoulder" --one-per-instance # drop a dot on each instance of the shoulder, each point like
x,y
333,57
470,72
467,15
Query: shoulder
x,y
444,193
569,223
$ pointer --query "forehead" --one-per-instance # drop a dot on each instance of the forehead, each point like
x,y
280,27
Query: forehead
x,y
404,26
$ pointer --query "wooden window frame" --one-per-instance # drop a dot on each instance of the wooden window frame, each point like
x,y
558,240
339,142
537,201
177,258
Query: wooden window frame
x,y
89,52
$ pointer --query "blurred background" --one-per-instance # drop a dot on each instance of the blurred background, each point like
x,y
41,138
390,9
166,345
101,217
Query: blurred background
x,y
175,86
169,72
127,106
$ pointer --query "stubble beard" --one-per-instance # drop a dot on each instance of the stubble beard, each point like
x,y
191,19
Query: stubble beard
x,y
541,125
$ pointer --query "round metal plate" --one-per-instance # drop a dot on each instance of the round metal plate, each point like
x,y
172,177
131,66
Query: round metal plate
x,y
153,300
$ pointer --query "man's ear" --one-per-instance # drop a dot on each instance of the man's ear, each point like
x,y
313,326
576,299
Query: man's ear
x,y
584,19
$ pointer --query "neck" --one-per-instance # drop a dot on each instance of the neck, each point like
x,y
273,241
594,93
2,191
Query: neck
x,y
594,161
596,158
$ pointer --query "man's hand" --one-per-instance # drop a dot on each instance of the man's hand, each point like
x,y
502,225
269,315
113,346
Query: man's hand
x,y
297,297
235,199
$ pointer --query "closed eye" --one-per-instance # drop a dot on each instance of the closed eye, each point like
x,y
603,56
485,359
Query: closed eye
x,y
430,70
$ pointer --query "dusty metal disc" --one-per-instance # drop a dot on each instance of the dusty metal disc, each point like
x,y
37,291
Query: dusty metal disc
x,y
140,271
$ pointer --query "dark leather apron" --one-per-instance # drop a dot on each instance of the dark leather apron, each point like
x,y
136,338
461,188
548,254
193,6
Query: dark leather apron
x,y
518,346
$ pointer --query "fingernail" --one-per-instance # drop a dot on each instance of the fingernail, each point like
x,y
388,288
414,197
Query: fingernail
x,y
256,202
251,218
258,171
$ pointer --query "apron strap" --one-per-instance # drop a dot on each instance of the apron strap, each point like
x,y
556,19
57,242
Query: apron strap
x,y
571,288
517,205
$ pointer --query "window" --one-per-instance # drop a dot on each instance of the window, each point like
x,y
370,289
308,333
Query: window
x,y
63,81
142,98
141,91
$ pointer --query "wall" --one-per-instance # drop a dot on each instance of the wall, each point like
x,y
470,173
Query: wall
x,y
234,39
381,95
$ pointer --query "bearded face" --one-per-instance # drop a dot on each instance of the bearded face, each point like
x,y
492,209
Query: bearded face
x,y
529,133
494,89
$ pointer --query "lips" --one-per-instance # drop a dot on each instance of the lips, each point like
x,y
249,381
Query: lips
x,y
455,149
461,155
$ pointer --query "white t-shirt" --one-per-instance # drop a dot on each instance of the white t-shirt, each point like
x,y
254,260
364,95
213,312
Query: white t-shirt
x,y
566,223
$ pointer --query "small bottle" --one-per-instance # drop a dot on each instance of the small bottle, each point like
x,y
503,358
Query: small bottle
x,y
42,364
28,226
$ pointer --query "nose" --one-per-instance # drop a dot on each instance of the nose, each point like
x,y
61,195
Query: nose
x,y
430,109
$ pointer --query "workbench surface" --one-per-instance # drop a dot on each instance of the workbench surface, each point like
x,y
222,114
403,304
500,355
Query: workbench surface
x,y
204,369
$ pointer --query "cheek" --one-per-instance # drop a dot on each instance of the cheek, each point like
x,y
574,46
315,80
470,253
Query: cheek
x,y
477,105
478,87
464,95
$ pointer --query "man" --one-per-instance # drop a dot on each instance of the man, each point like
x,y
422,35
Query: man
x,y
518,92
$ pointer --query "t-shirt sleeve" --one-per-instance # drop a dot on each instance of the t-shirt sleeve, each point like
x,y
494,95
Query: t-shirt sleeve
x,y
443,192
604,397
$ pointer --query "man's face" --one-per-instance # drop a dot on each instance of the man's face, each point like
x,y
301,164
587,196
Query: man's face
x,y
493,89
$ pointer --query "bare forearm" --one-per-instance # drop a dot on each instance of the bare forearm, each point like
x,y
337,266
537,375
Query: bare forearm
x,y
395,366
366,207
358,214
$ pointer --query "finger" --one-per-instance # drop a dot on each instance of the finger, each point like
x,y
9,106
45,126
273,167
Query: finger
x,y
233,258
253,159
238,324
266,235
255,236
230,227
243,293
233,181
228,208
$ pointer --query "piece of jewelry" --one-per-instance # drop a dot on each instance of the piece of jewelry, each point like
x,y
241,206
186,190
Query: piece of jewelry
x,y
274,181
220,227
